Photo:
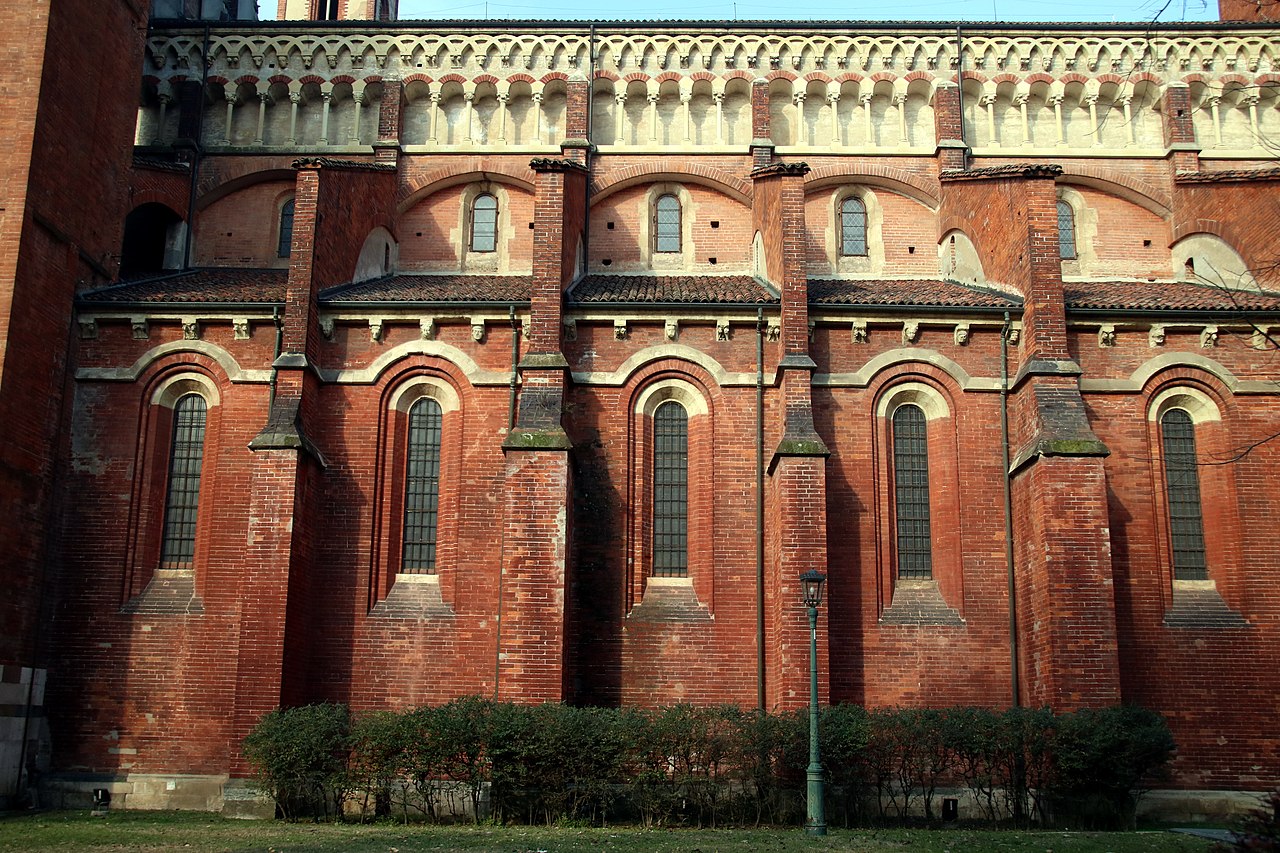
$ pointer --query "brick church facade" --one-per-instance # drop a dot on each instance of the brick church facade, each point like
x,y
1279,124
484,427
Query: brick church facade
x,y
386,362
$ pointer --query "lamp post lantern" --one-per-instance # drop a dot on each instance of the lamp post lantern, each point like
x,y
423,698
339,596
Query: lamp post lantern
x,y
811,584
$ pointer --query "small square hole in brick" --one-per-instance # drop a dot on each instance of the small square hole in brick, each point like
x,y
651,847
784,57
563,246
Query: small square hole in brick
x,y
530,226
606,262
419,233
715,223
711,261
911,250
609,225
1146,244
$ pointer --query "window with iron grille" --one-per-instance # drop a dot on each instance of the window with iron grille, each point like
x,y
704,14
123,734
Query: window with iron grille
x,y
484,224
1066,232
670,491
911,486
422,488
286,230
186,453
667,224
1182,482
853,227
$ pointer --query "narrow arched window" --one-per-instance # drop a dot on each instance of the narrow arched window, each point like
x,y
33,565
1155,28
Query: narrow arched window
x,y
182,499
422,488
670,491
285,244
484,224
853,227
1182,482
911,488
667,224
1066,232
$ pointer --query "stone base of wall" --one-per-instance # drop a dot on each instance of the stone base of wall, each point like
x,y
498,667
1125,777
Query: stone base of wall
x,y
1197,806
142,791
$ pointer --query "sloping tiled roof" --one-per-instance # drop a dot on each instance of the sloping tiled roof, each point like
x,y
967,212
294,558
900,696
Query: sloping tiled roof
x,y
672,289
198,286
917,293
1164,296
435,288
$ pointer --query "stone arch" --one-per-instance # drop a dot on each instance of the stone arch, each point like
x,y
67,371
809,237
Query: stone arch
x,y
707,176
886,177
467,171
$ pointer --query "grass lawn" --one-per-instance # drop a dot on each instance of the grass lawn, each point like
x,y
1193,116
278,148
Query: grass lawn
x,y
199,832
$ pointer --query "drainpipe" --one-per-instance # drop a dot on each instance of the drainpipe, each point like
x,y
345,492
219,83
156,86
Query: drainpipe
x,y
196,150
1014,686
515,362
275,372
760,683
964,152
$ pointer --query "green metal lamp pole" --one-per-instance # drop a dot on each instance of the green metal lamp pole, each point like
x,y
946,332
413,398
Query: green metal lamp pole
x,y
816,824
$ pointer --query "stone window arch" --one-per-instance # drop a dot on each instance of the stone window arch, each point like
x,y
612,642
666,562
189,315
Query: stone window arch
x,y
918,506
856,212
1077,230
1199,542
484,228
415,545
170,508
669,246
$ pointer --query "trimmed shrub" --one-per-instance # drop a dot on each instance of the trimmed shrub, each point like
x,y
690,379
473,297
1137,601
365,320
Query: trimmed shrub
x,y
301,758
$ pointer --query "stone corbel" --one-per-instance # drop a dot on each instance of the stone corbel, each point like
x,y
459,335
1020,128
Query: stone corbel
x,y
427,328
619,330
88,329
722,330
326,327
910,331
1155,337
961,334
1209,337
1261,337
190,329
671,329
141,330
240,328
1107,336
773,331
477,329
376,329
860,331
813,324
570,328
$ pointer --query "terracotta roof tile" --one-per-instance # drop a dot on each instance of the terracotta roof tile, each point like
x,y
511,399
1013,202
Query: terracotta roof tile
x,y
198,286
923,294
672,289
1165,296
435,288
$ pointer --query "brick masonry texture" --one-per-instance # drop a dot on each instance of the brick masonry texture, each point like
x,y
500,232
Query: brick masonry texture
x,y
549,357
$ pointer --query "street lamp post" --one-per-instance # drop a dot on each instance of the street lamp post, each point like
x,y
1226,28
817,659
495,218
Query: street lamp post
x,y
811,583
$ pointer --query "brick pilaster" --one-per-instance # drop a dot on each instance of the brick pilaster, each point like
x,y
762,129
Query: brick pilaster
x,y
1179,130
575,145
948,123
761,143
387,148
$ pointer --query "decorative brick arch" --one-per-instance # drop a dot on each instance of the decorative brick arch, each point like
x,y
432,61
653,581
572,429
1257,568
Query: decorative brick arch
x,y
1123,186
695,173
475,168
237,178
1207,226
897,180
780,75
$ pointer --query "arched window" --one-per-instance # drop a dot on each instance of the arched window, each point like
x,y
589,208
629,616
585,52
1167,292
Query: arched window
x,y
1182,482
853,227
484,223
666,231
670,491
1066,231
186,454
911,492
422,488
286,230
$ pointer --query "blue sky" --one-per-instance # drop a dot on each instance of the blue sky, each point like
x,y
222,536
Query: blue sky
x,y
919,10
1166,11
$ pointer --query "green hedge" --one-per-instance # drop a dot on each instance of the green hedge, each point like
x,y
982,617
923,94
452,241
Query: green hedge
x,y
705,766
